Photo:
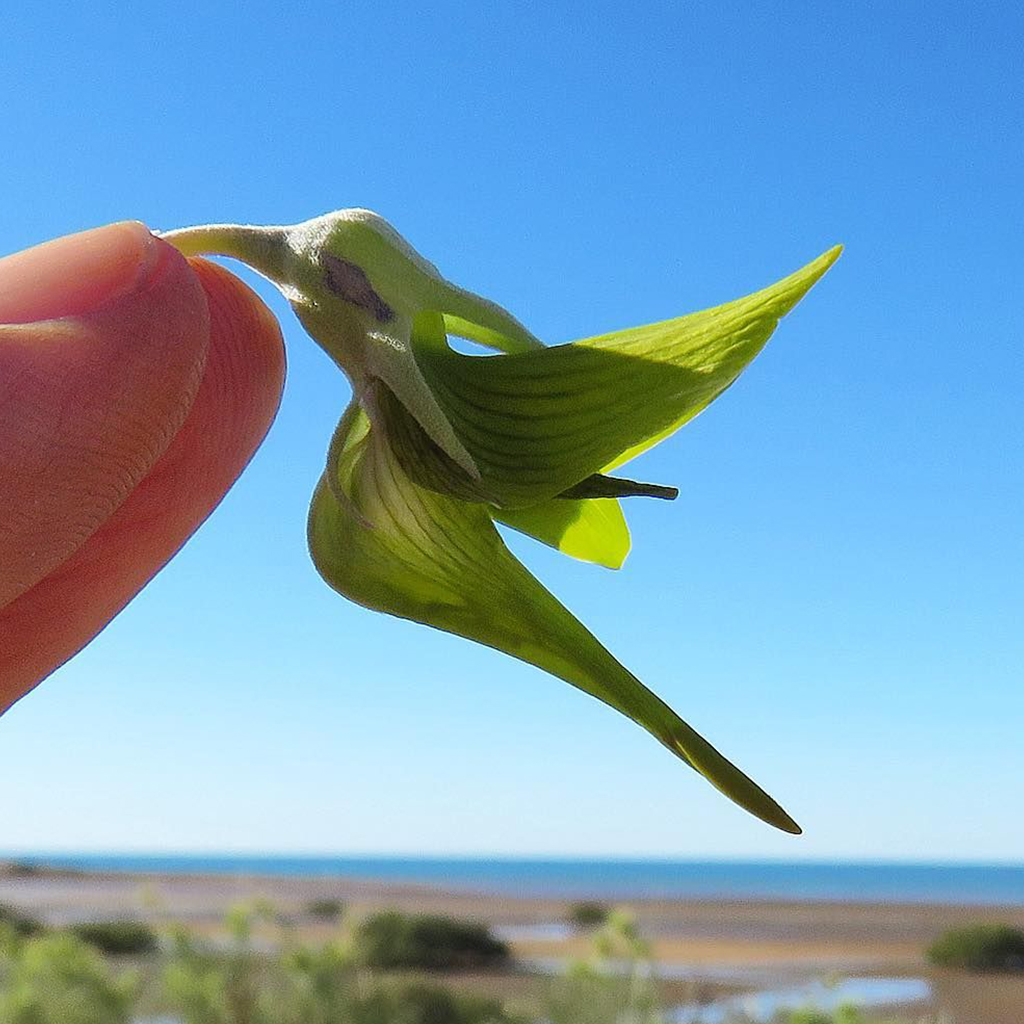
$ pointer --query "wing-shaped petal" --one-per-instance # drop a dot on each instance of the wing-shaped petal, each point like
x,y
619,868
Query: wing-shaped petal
x,y
389,544
591,530
233,408
539,422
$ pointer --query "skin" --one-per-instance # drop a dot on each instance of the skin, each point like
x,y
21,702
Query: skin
x,y
135,385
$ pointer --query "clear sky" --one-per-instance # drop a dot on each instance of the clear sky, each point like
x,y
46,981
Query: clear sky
x,y
836,599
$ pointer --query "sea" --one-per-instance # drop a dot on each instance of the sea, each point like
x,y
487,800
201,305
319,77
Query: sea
x,y
977,884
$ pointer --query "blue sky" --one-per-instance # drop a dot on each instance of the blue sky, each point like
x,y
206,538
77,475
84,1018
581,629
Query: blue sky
x,y
836,597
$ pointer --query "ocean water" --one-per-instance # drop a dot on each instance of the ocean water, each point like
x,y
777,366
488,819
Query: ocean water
x,y
608,879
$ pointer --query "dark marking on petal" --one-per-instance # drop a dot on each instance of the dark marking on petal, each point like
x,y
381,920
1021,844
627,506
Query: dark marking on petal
x,y
350,283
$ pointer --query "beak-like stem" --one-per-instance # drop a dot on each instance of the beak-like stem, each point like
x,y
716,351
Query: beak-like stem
x,y
265,249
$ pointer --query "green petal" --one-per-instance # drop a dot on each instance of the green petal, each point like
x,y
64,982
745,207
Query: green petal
x,y
448,309
396,547
579,522
593,530
426,463
490,324
537,423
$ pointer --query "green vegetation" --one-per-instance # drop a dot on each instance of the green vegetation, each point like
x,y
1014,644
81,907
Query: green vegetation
x,y
58,978
980,947
418,1003
117,938
587,914
304,985
212,986
392,941
592,993
21,924
325,909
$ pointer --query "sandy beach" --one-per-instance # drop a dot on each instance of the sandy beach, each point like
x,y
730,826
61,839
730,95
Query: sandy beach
x,y
718,944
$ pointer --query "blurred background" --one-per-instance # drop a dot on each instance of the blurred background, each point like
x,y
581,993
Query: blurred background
x,y
834,600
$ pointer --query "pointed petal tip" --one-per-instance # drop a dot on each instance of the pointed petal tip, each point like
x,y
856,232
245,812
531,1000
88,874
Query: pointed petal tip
x,y
816,269
830,256
729,780
613,560
766,809
785,294
771,813
786,824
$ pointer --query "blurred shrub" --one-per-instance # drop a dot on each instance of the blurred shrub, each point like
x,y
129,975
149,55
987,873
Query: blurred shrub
x,y
433,1004
20,869
617,985
322,986
587,914
981,947
208,987
325,909
304,985
233,985
57,979
118,938
394,941
19,923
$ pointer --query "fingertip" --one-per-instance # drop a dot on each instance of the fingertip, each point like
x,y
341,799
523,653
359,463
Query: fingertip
x,y
246,340
79,273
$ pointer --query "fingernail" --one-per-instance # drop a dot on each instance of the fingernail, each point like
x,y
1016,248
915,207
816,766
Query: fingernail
x,y
77,274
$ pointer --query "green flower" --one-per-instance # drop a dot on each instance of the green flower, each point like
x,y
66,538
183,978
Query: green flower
x,y
436,446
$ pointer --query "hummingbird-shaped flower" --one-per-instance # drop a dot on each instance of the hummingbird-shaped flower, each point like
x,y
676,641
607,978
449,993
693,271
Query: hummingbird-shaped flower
x,y
437,447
